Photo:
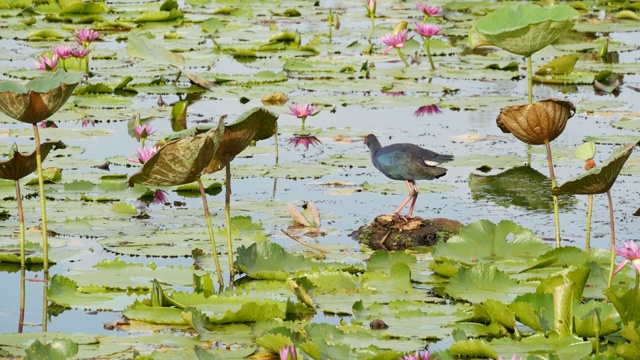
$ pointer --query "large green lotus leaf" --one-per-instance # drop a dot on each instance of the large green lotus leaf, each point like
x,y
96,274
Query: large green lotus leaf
x,y
568,347
253,125
180,161
534,310
627,303
486,242
473,348
64,292
85,8
118,274
222,310
519,186
599,179
482,282
384,260
140,311
38,99
153,16
524,29
20,165
271,261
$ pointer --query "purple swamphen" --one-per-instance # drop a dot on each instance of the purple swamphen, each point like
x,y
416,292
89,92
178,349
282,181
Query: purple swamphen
x,y
406,162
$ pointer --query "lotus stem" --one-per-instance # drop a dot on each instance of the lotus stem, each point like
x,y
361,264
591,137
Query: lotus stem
x,y
587,245
227,218
613,240
43,201
402,57
45,302
21,220
207,215
22,300
530,79
427,45
275,140
556,213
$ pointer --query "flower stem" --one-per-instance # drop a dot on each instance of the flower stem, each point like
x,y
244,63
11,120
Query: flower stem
x,y
402,57
227,217
556,213
613,239
207,215
45,302
21,220
275,140
303,118
43,201
23,295
373,26
587,245
427,44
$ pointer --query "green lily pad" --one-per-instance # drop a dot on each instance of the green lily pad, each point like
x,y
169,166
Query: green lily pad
x,y
486,242
482,282
271,261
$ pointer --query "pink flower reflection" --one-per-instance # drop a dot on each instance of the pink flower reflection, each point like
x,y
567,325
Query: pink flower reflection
x,y
427,110
304,140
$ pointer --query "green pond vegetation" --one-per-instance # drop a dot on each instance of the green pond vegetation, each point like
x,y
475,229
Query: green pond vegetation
x,y
220,97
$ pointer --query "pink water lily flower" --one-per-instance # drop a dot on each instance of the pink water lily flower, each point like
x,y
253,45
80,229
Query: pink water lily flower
x,y
46,63
428,30
631,253
288,350
371,7
395,40
63,51
143,131
302,110
144,154
426,355
86,123
47,124
86,36
429,10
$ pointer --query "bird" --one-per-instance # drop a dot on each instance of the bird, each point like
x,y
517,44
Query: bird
x,y
406,162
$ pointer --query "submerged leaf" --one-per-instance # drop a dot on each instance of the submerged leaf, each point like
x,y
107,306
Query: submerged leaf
x,y
599,179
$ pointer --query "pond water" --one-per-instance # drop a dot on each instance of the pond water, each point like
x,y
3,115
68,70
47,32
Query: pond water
x,y
470,135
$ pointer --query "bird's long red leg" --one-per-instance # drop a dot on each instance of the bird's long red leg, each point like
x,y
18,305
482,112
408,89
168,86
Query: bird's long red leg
x,y
397,212
414,193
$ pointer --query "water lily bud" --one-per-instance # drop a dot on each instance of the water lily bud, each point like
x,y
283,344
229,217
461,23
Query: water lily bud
x,y
597,325
330,18
336,22
401,26
604,49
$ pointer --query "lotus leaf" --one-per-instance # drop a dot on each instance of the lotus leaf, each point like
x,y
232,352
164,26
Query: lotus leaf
x,y
253,125
523,29
180,161
600,179
20,165
537,123
38,99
